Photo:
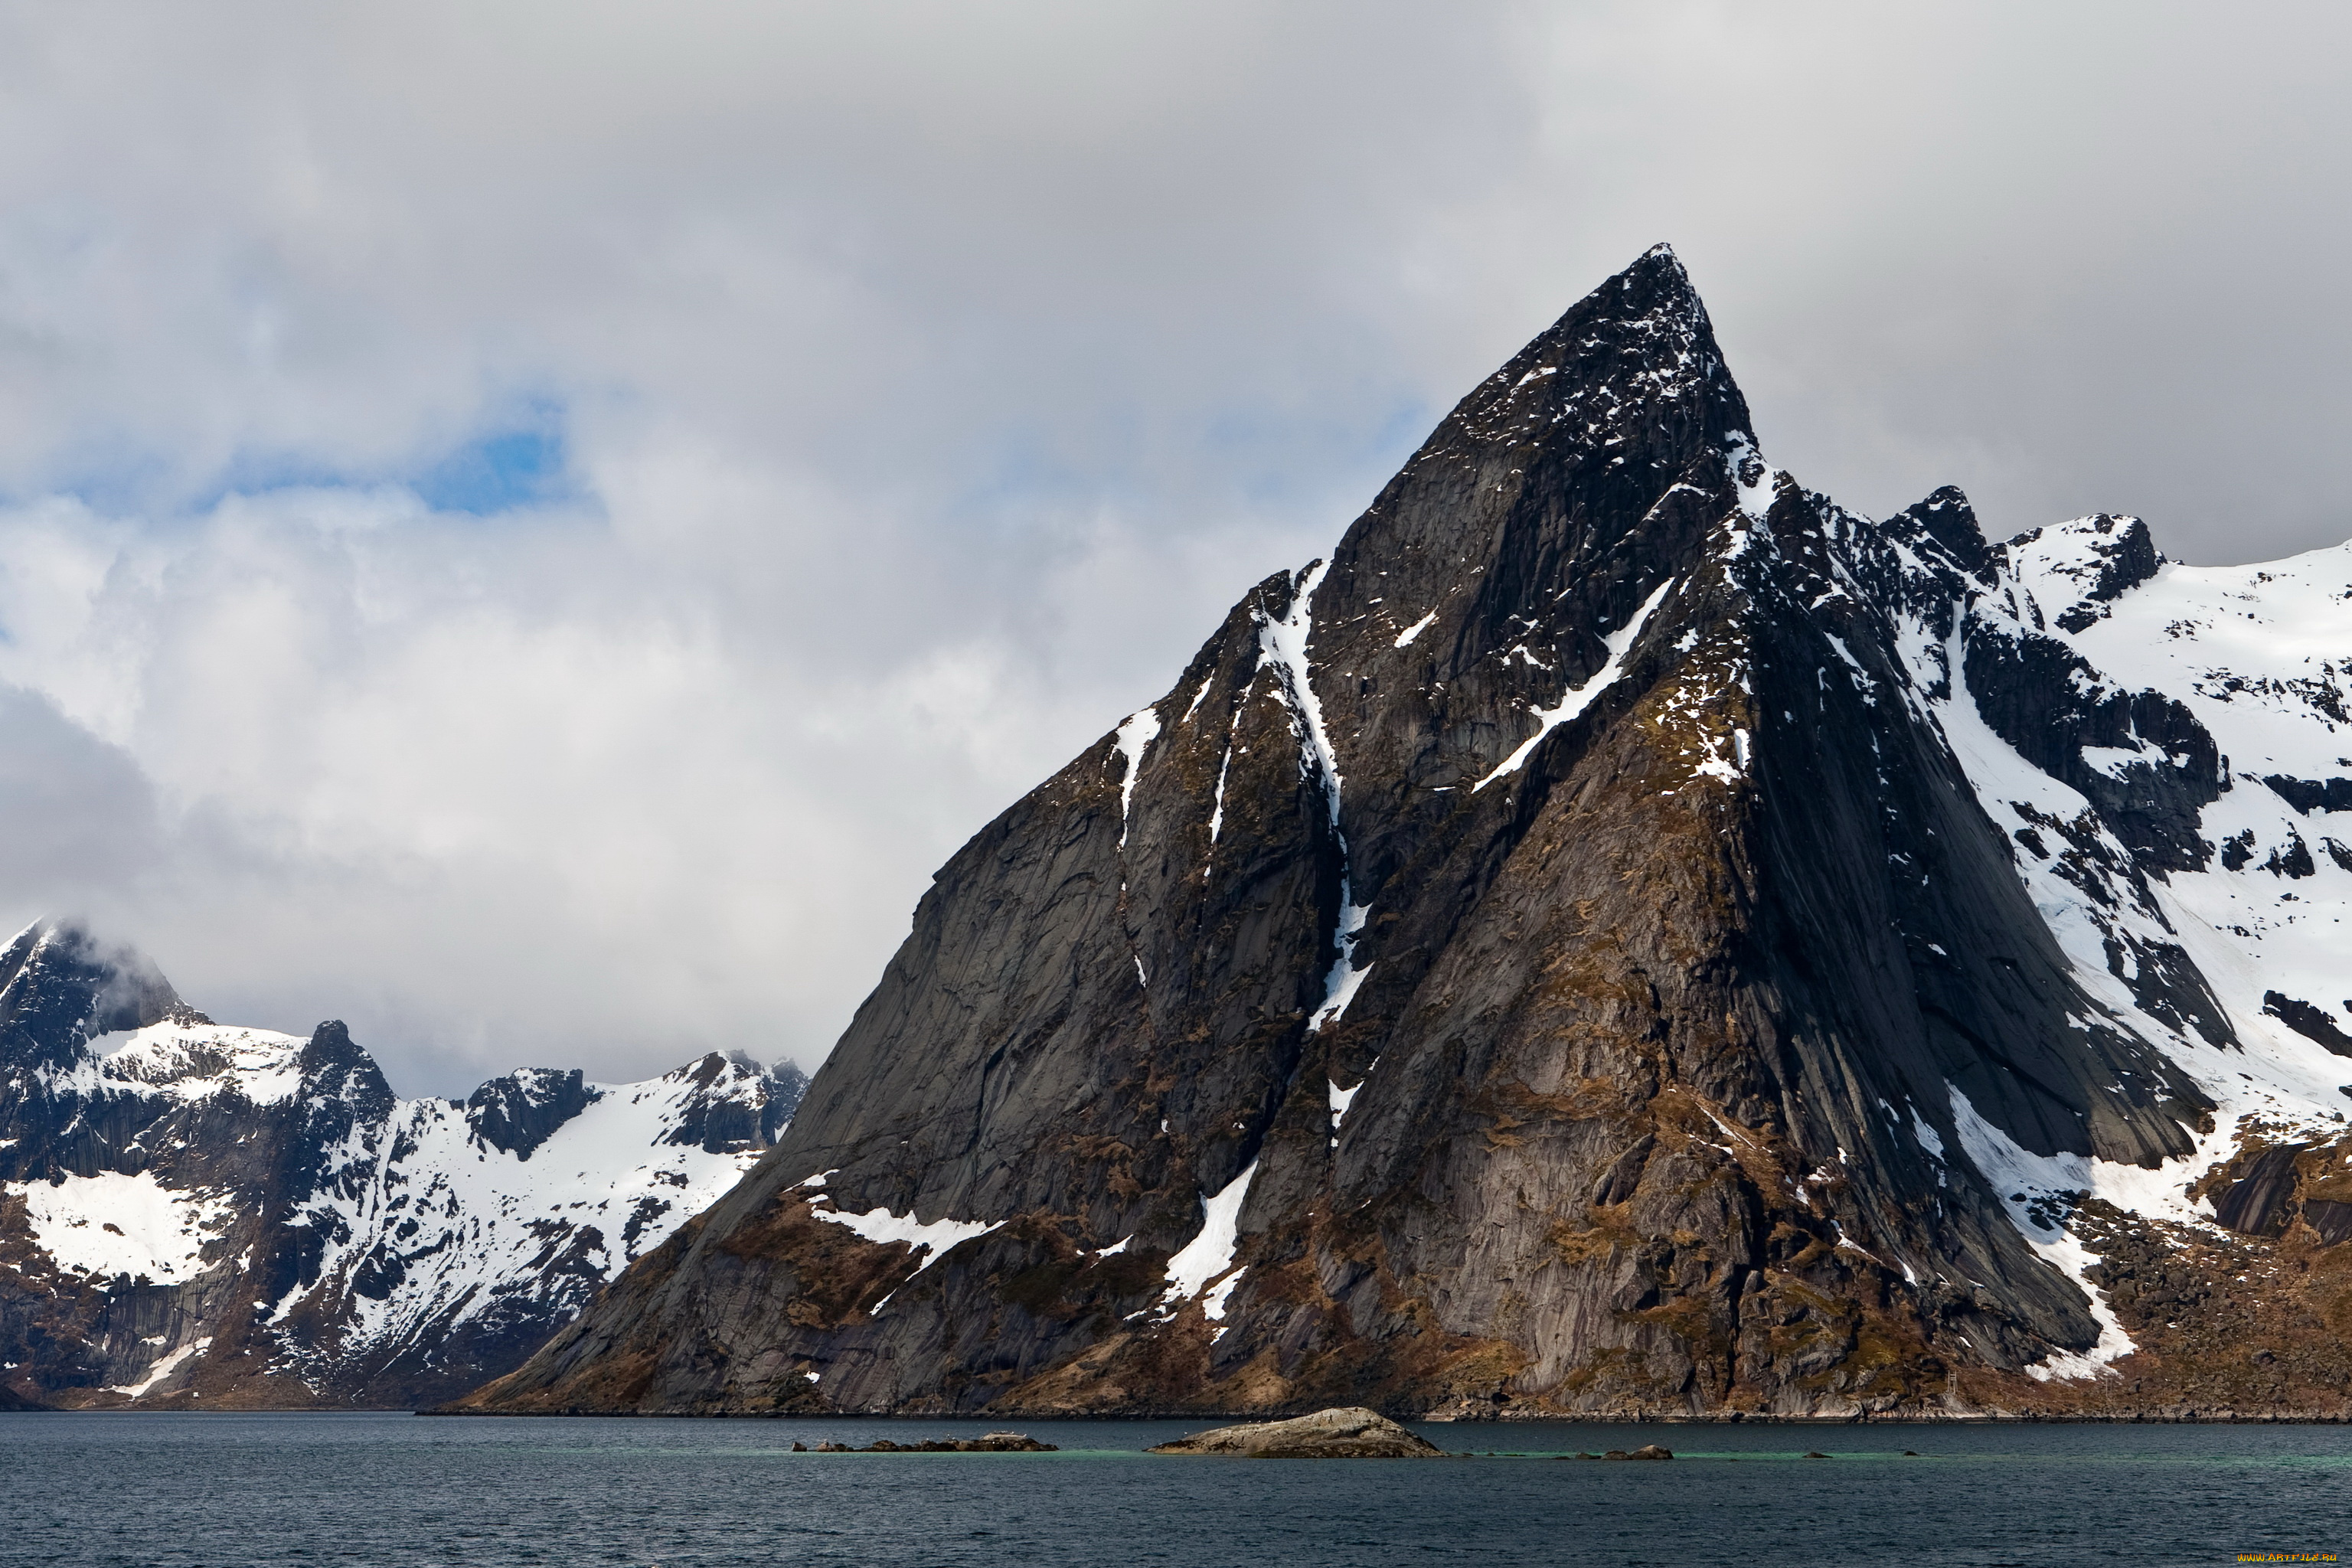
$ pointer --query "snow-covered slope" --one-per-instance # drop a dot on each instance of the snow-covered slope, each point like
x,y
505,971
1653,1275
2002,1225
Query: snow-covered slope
x,y
202,1214
2262,657
2167,746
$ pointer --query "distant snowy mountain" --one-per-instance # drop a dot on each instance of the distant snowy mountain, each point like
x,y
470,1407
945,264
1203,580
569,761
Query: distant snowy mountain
x,y
209,1216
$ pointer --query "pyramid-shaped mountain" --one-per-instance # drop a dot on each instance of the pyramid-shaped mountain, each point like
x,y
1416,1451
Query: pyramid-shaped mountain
x,y
1623,934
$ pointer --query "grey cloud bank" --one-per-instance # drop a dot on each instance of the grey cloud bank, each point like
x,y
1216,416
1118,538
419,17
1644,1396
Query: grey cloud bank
x,y
926,382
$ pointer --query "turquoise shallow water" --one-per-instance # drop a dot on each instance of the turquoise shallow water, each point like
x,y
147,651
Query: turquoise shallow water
x,y
400,1489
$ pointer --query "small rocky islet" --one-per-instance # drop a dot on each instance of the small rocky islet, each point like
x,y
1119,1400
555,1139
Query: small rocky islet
x,y
1347,1432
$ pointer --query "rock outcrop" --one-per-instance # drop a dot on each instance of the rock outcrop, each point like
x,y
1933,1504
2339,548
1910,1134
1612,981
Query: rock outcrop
x,y
203,1216
1326,1435
1624,934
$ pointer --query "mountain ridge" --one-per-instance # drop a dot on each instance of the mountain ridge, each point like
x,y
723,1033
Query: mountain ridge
x,y
203,1216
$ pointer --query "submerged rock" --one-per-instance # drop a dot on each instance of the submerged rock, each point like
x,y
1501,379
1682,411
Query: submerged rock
x,y
989,1443
1348,1434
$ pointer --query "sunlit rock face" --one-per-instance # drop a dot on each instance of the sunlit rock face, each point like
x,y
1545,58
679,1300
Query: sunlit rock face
x,y
197,1216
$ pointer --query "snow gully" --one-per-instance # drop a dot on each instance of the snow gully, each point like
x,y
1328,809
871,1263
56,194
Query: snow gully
x,y
1282,647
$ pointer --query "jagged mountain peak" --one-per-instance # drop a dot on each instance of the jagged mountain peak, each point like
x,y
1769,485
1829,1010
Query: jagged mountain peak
x,y
336,1068
62,986
1650,313
194,1212
1522,546
1594,420
1581,834
1947,517
1623,934
2075,570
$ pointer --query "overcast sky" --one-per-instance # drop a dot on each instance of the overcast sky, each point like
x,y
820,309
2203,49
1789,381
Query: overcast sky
x,y
534,529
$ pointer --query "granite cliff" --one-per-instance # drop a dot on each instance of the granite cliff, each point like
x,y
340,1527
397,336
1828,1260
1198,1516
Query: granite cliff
x,y
1623,934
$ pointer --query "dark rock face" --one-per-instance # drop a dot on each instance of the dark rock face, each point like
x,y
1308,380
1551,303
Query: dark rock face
x,y
2330,1222
2307,796
2312,1022
217,1218
2255,1202
2047,701
517,1112
1550,957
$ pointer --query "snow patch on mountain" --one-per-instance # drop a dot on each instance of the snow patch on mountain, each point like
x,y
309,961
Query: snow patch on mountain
x,y
1341,1099
1404,638
1141,729
931,1240
2037,1192
163,1367
1211,1253
1283,647
429,1226
110,1223
1575,700
189,1063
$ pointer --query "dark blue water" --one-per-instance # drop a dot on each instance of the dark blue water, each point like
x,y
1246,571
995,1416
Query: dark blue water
x,y
379,1489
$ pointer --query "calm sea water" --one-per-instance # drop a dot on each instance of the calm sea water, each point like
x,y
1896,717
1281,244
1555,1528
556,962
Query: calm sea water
x,y
402,1490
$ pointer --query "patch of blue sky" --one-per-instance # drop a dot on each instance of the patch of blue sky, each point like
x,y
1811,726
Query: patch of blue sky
x,y
498,473
519,463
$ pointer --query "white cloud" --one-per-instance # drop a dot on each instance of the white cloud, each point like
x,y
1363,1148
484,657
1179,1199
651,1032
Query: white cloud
x,y
927,381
